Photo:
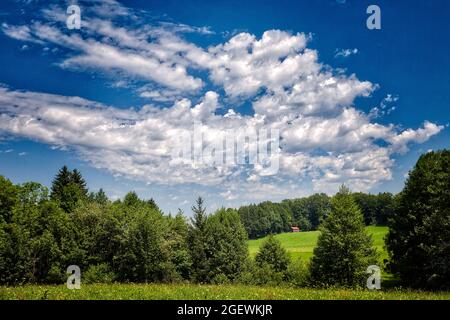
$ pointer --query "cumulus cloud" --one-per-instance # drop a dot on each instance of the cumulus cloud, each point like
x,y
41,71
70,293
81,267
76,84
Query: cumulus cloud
x,y
325,140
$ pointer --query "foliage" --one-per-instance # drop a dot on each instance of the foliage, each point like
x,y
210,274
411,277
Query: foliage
x,y
419,236
140,256
100,273
376,209
273,255
131,240
177,246
344,250
68,188
298,274
196,242
264,218
8,199
225,243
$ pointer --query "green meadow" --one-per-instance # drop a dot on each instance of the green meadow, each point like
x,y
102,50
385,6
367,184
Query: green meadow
x,y
301,244
205,292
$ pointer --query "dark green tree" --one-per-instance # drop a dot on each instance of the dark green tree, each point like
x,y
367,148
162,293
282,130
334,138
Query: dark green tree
x,y
196,240
77,179
8,199
62,179
273,254
177,247
99,197
226,246
344,249
419,235
141,256
132,200
68,187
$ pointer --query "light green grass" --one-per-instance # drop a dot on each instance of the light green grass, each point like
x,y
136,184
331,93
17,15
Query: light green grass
x,y
204,292
301,244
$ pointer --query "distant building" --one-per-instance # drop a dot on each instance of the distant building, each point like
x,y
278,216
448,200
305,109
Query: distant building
x,y
295,229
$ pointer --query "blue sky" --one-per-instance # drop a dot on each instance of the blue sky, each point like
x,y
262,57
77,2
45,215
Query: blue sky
x,y
352,105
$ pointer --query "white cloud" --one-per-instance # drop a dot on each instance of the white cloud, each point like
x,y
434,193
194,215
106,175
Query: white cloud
x,y
139,144
325,139
344,53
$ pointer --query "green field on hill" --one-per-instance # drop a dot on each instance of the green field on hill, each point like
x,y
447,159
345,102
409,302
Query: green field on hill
x,y
301,244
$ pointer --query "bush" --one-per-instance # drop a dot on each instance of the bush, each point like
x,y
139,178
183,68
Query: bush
x,y
101,273
298,274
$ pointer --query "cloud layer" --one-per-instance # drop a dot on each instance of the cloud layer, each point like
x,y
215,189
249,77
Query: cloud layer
x,y
325,139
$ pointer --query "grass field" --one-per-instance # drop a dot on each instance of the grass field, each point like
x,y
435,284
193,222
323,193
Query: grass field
x,y
205,292
301,244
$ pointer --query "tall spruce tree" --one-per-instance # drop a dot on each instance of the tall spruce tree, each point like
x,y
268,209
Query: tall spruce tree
x,y
196,240
68,188
419,235
344,249
77,179
61,180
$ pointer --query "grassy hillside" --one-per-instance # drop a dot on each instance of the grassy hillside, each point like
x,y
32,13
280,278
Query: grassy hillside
x,y
301,244
209,292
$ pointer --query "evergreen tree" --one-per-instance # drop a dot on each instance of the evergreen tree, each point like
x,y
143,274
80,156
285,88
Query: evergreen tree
x,y
68,188
196,240
344,250
273,254
100,197
63,179
131,199
77,179
419,235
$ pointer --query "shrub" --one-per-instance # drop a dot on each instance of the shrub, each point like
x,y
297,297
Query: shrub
x,y
101,273
298,274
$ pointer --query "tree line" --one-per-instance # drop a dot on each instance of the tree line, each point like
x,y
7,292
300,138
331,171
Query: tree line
x,y
42,232
309,212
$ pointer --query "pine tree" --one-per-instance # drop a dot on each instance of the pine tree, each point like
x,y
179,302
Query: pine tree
x,y
62,180
101,197
196,241
68,188
273,254
131,199
77,179
344,249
